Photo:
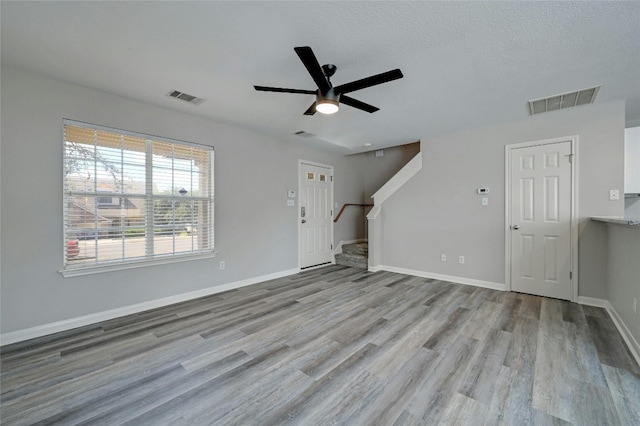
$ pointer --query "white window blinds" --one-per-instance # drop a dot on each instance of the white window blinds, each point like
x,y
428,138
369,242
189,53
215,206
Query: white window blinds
x,y
132,198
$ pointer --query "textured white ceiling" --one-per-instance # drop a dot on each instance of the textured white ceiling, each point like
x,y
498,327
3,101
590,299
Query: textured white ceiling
x,y
465,64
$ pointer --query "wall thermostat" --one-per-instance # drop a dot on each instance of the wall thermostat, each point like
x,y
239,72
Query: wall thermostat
x,y
483,190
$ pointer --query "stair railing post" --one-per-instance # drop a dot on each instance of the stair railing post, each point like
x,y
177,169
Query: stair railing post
x,y
366,224
374,219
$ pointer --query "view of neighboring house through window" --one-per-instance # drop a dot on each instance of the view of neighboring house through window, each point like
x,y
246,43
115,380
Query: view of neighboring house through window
x,y
131,197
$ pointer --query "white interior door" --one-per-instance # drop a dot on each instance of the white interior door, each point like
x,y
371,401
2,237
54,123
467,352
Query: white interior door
x,y
540,219
315,214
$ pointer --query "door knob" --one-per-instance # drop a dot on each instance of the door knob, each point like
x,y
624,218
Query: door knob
x,y
515,227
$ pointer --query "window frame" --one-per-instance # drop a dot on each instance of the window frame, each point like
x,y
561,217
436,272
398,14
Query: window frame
x,y
149,211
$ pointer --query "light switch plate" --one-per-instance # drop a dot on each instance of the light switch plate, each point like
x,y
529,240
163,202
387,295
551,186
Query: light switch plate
x,y
614,194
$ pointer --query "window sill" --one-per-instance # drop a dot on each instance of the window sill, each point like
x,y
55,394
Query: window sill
x,y
132,265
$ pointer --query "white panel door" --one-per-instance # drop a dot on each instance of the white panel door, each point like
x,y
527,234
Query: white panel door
x,y
315,215
540,228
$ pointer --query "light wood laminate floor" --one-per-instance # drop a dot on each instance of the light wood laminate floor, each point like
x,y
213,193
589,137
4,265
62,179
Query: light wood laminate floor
x,y
332,346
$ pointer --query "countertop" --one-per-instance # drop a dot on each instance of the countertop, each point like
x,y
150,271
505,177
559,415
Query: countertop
x,y
624,221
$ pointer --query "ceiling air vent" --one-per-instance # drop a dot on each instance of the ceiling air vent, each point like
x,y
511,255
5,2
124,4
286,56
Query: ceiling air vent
x,y
304,134
185,97
565,100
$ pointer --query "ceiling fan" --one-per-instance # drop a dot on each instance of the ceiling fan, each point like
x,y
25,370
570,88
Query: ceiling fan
x,y
328,97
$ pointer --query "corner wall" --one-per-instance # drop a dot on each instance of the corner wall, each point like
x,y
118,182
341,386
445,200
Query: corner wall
x,y
623,276
438,211
370,173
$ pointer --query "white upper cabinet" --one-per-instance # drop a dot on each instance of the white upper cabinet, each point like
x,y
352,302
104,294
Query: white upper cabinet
x,y
632,160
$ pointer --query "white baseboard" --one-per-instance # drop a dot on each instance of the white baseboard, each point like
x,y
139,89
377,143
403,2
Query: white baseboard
x,y
631,342
592,301
56,327
432,275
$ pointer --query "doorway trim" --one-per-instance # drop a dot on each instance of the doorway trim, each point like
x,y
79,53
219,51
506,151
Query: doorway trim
x,y
508,149
332,209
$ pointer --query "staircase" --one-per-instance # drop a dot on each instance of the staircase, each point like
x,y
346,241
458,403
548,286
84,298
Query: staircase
x,y
354,255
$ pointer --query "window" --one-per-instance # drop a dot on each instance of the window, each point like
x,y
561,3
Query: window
x,y
131,198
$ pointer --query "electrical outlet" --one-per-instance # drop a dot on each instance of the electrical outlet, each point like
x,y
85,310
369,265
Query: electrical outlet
x,y
222,265
443,257
635,305
461,260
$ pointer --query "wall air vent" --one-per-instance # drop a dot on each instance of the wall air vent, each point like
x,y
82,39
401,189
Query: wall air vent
x,y
304,134
565,100
185,97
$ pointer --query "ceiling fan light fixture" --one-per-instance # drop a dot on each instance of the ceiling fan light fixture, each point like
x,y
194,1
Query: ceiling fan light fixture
x,y
328,103
327,106
328,98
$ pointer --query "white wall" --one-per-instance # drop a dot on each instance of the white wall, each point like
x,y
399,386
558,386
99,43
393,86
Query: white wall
x,y
371,173
623,274
376,171
256,233
632,160
632,171
438,211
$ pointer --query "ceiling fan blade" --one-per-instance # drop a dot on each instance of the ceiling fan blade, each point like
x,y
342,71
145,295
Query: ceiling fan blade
x,y
311,110
357,104
279,89
369,81
311,63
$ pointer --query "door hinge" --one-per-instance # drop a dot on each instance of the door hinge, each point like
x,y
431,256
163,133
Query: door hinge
x,y
570,157
570,275
331,246
331,178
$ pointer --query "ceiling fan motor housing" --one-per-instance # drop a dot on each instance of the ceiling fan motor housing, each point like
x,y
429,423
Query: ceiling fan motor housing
x,y
327,103
331,96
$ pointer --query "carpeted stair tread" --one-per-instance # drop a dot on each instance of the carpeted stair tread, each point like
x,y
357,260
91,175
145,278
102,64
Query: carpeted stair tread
x,y
361,249
353,260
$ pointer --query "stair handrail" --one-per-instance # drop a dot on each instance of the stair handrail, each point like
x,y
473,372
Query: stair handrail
x,y
347,205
